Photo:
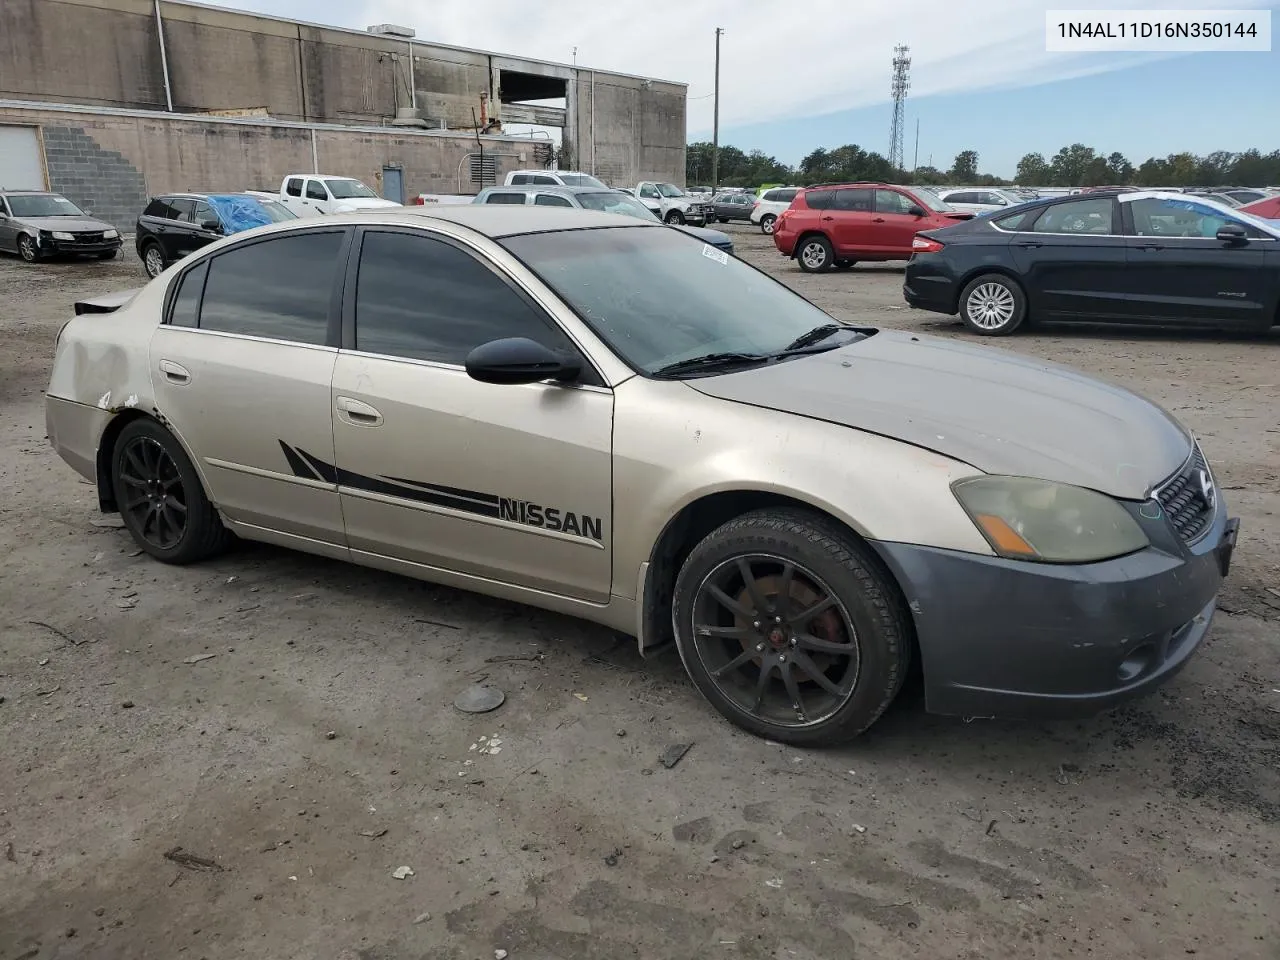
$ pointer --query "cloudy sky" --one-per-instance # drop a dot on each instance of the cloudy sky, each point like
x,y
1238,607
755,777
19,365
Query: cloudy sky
x,y
796,78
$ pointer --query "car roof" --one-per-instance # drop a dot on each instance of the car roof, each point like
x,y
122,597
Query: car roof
x,y
189,195
29,193
493,220
548,188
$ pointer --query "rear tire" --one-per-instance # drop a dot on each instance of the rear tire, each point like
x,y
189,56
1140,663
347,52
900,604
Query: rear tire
x,y
767,223
161,500
815,254
993,305
153,259
826,672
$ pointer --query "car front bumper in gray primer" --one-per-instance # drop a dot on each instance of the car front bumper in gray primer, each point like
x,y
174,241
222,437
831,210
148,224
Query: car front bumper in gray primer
x,y
1007,638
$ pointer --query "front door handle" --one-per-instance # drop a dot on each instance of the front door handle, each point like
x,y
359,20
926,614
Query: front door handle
x,y
1151,246
828,218
1029,243
877,219
175,372
358,412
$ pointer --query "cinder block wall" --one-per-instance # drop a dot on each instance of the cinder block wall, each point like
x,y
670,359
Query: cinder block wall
x,y
111,164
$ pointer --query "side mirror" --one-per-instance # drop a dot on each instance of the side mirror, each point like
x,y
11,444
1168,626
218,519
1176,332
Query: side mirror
x,y
916,211
516,360
1232,233
213,225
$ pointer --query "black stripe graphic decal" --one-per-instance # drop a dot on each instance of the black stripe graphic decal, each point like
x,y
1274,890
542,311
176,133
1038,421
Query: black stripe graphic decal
x,y
475,502
298,465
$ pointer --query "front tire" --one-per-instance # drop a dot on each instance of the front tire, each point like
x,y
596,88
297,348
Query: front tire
x,y
789,627
27,249
675,218
815,255
993,305
161,500
767,223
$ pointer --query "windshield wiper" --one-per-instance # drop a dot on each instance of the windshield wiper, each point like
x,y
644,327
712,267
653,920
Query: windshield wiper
x,y
710,361
816,335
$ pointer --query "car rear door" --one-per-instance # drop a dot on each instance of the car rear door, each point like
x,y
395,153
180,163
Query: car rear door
x,y
242,368
1072,260
439,471
175,232
1179,272
894,227
847,222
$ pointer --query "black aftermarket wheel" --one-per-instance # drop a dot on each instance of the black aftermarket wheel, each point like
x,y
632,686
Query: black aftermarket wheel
x,y
790,629
160,497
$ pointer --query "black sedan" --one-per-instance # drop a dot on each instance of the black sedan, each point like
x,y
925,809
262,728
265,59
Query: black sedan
x,y
176,224
1142,257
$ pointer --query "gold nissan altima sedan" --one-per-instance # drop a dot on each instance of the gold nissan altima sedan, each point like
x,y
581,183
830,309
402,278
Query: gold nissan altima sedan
x,y
608,418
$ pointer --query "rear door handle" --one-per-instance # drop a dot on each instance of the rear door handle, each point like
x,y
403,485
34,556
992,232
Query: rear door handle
x,y
175,372
358,412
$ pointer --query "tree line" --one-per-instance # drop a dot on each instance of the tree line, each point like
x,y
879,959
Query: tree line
x,y
1074,166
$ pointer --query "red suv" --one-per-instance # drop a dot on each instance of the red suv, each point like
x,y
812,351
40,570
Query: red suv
x,y
836,225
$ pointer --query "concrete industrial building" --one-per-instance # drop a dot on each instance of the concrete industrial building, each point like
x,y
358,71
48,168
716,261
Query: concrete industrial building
x,y
110,101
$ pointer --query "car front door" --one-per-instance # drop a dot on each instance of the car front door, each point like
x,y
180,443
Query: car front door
x,y
207,225
649,196
895,227
315,199
848,222
242,368
1072,261
175,231
437,470
551,200
1179,272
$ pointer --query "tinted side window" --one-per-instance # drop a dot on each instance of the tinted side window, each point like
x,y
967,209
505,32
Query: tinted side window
x,y
519,179
278,288
202,212
1090,217
424,299
515,198
293,187
185,311
544,181
856,201
550,200
770,196
181,209
156,208
1016,221
961,198
819,199
316,191
891,201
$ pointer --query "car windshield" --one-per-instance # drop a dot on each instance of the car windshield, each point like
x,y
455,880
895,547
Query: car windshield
x,y
621,203
658,297
277,211
670,190
348,189
43,205
579,180
932,200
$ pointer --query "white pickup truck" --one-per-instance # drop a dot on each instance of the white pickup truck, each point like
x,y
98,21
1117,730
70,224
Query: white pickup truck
x,y
671,204
314,195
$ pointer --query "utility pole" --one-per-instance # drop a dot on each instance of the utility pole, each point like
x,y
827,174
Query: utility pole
x,y
915,160
575,56
715,127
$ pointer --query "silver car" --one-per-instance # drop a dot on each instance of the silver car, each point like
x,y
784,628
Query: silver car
x,y
608,418
35,225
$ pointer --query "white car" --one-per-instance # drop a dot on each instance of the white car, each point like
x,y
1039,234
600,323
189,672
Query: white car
x,y
771,203
981,199
551,178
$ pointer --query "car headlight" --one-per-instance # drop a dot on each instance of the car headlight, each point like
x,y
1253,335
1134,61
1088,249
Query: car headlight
x,y
1025,519
61,235
110,234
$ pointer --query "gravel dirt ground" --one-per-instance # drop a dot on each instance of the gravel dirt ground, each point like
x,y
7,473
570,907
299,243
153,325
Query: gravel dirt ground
x,y
316,749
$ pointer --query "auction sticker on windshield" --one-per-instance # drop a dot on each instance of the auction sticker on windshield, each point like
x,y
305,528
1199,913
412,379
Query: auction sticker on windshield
x,y
719,256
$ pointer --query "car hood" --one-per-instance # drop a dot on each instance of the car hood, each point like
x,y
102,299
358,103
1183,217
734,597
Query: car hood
x,y
367,203
713,237
63,224
996,411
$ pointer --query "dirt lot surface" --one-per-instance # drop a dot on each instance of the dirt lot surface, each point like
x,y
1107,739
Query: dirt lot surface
x,y
317,750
